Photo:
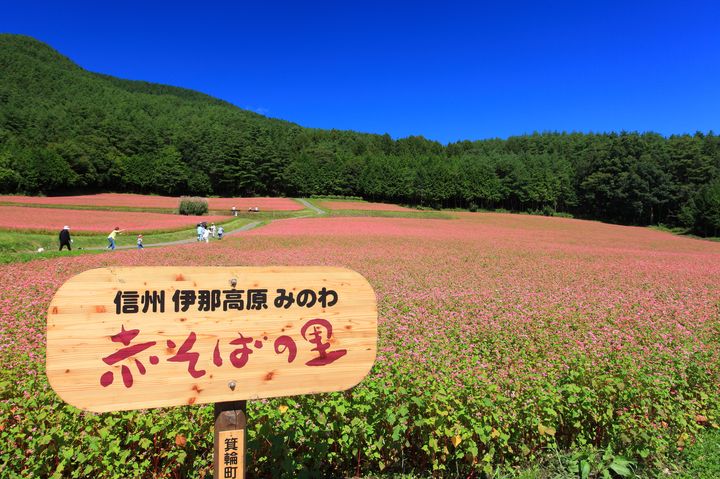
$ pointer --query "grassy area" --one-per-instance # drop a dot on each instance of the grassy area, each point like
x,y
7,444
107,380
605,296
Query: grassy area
x,y
394,214
682,232
268,215
23,257
675,230
337,198
17,246
699,461
429,214
703,457
20,246
356,199
314,201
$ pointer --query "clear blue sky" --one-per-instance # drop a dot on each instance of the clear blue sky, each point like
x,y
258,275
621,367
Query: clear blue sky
x,y
445,70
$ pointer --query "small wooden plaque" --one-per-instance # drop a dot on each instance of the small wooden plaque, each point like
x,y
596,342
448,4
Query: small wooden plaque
x,y
231,454
229,449
142,337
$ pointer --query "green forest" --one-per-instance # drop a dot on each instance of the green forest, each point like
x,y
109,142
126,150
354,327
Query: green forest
x,y
66,130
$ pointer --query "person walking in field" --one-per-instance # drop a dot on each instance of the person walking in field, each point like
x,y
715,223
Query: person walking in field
x,y
200,231
206,235
111,238
212,229
65,239
140,242
221,232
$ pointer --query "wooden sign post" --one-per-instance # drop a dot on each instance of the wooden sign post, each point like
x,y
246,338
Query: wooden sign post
x,y
124,338
229,453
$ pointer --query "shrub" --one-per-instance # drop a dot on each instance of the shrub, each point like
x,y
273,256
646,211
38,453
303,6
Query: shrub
x,y
193,206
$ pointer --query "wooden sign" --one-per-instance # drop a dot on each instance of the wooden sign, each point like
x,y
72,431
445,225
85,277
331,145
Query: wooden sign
x,y
229,450
142,337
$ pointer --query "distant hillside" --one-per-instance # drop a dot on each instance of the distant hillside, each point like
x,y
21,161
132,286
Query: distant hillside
x,y
111,133
67,130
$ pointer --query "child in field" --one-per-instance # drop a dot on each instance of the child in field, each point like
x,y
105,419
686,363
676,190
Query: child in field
x,y
206,235
221,232
213,229
140,242
111,238
200,231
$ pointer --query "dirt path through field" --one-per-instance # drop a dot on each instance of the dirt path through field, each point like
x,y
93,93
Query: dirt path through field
x,y
311,206
314,211
246,227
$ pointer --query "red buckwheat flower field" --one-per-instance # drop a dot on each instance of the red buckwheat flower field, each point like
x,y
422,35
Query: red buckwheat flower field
x,y
146,201
53,219
502,337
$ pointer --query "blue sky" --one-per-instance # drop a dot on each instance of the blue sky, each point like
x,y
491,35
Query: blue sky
x,y
446,70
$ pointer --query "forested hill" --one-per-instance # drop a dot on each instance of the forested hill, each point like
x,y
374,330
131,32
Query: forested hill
x,y
64,129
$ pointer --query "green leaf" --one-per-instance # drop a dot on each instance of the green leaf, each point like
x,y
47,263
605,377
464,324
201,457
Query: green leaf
x,y
620,467
584,470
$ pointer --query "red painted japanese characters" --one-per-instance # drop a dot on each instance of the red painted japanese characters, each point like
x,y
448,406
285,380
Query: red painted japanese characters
x,y
141,337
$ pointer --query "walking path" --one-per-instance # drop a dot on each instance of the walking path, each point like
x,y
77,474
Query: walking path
x,y
311,206
246,227
314,211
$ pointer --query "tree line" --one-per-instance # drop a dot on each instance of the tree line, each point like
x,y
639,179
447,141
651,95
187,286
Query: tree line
x,y
65,130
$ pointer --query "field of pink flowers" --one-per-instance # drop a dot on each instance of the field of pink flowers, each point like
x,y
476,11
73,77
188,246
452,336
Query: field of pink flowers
x,y
53,219
360,205
149,201
503,339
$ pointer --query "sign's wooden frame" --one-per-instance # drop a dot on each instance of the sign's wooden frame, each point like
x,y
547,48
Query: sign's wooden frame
x,y
101,322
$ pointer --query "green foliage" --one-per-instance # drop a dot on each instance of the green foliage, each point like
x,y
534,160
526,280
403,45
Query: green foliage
x,y
703,457
591,463
581,421
199,184
22,246
336,197
441,215
377,427
52,439
193,206
63,129
9,179
706,209
169,173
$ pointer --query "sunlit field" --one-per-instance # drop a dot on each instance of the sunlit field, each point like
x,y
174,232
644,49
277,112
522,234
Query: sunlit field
x,y
507,342
361,205
146,201
54,219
